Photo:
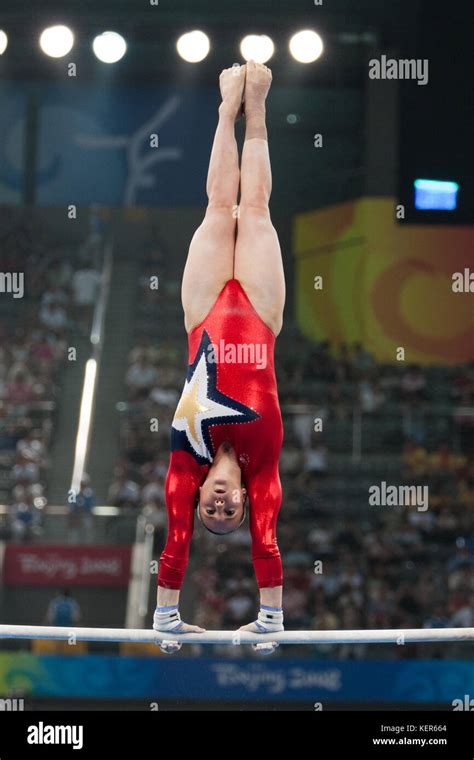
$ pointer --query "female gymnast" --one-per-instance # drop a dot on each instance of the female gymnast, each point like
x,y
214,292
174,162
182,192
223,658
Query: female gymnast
x,y
227,430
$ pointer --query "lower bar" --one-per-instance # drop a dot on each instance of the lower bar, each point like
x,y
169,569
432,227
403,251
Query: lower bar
x,y
383,636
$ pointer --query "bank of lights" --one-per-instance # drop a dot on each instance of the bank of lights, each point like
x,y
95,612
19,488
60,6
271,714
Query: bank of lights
x,y
305,46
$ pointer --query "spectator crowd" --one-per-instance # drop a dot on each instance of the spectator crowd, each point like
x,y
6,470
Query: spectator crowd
x,y
60,283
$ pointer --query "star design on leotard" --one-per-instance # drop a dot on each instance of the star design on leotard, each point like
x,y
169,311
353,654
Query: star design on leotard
x,y
202,405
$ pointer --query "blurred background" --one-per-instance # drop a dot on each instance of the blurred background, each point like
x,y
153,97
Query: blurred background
x,y
102,183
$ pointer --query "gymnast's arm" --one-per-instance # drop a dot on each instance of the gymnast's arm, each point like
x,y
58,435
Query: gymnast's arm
x,y
264,489
182,483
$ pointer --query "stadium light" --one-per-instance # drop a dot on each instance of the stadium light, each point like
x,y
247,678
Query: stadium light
x,y
109,47
194,46
3,41
56,41
306,46
257,47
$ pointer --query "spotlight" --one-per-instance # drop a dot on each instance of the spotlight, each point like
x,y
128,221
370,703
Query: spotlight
x,y
109,47
306,46
257,47
3,42
56,41
193,46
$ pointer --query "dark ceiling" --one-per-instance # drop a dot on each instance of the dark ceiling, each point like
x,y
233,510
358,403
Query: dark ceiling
x,y
348,28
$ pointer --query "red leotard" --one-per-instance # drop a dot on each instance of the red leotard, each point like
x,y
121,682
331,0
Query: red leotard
x,y
231,395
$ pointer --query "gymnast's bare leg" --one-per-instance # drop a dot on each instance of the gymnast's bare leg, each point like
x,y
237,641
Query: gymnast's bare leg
x,y
258,262
210,261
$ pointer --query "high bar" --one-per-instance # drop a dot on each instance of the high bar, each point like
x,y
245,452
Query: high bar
x,y
148,636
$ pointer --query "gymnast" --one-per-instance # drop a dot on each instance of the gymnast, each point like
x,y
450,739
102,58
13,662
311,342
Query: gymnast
x,y
227,431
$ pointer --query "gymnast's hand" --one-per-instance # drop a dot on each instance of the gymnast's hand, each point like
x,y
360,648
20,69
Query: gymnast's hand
x,y
270,620
267,647
170,645
252,627
181,628
168,620
186,628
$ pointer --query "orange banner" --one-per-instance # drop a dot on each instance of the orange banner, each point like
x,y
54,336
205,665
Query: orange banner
x,y
385,284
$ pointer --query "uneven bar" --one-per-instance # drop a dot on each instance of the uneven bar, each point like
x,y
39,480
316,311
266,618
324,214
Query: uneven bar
x,y
145,636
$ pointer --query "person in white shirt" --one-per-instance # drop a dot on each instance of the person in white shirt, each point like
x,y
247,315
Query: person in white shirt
x,y
53,317
85,287
141,377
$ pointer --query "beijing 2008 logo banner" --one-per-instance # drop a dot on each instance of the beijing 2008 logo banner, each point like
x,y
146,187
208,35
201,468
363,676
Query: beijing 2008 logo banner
x,y
48,565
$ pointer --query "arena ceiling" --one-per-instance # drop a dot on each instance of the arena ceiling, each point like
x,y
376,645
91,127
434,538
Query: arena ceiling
x,y
348,28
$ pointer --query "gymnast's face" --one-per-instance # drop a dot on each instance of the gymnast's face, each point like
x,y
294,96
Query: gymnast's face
x,y
221,503
221,496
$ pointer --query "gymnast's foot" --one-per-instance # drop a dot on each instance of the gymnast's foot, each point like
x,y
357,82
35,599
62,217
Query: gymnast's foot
x,y
258,79
231,83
